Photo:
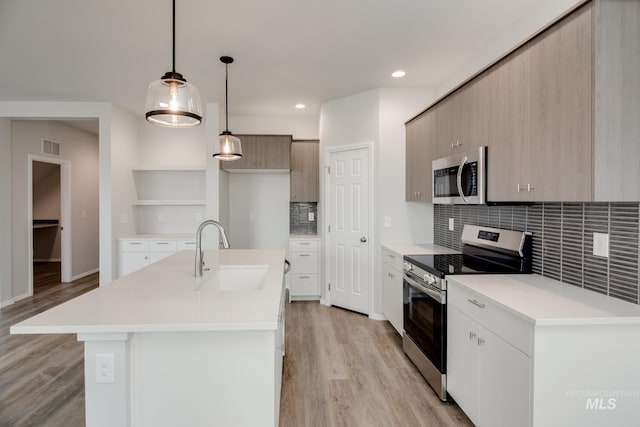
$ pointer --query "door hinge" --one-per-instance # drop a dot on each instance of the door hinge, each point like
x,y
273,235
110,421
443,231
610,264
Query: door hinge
x,y
328,170
329,228
329,286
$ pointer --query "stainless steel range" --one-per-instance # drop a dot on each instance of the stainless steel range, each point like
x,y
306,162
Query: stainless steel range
x,y
485,250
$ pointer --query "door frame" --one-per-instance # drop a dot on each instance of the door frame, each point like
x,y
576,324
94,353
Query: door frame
x,y
65,216
369,146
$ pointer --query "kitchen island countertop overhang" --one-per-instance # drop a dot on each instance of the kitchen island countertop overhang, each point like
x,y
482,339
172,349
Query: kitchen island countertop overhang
x,y
166,297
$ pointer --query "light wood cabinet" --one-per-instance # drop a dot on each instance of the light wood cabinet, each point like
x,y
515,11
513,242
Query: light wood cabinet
x,y
420,152
262,152
305,171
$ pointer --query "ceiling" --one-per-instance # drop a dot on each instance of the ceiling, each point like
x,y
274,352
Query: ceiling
x,y
286,51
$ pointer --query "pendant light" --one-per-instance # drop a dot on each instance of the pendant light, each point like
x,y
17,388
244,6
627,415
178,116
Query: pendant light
x,y
229,147
171,101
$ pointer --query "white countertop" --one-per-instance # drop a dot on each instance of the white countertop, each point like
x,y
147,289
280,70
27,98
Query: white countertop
x,y
166,297
418,249
543,301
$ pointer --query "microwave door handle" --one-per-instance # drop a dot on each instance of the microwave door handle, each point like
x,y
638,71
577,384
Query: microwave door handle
x,y
459,180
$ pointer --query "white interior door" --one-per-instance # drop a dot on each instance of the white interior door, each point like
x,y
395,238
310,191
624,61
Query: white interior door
x,y
349,229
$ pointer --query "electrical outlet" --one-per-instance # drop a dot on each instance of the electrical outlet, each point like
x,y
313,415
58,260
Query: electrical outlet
x,y
601,244
252,217
105,368
198,216
451,224
387,222
312,216
160,217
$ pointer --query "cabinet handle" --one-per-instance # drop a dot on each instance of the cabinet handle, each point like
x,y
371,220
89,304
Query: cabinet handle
x,y
480,341
472,335
146,257
305,255
304,277
162,243
391,275
458,144
134,243
529,187
305,243
519,188
391,256
476,303
418,193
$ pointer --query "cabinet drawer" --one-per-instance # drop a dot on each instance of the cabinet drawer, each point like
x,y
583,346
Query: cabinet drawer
x,y
134,245
303,245
304,285
304,262
162,246
394,259
186,244
512,329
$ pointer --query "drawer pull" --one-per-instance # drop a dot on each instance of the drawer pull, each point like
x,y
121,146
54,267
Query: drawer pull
x,y
304,277
135,243
391,256
472,335
476,303
304,243
480,341
391,275
305,255
162,243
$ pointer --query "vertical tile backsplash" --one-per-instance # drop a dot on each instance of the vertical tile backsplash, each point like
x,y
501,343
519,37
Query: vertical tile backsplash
x,y
563,240
299,222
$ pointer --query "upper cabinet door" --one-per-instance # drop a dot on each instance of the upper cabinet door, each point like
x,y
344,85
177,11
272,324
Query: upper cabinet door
x,y
248,159
420,152
508,130
305,171
561,111
273,152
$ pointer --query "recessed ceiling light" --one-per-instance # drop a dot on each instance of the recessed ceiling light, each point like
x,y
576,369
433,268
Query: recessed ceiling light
x,y
300,106
398,73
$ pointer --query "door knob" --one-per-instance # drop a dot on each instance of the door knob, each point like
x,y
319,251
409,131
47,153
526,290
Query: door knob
x,y
363,239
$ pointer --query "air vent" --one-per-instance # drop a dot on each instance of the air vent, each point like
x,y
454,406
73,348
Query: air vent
x,y
50,147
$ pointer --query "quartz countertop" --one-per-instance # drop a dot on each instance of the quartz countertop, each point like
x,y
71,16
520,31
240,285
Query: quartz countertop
x,y
544,301
166,297
418,249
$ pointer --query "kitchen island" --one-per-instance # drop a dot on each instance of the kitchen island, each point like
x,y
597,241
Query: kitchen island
x,y
164,348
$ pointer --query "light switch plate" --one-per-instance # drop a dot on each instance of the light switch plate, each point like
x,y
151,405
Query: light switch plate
x,y
601,244
312,216
387,222
451,222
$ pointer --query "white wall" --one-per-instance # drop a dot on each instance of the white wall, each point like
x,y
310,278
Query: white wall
x,y
78,147
259,210
299,127
6,293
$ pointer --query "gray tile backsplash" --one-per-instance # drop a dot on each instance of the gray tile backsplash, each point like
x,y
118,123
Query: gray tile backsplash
x,y
563,240
299,218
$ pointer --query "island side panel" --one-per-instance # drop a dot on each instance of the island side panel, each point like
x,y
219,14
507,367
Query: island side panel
x,y
587,375
203,378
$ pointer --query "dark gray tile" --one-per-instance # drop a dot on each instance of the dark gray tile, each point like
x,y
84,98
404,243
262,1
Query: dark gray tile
x,y
506,217
534,226
572,243
520,218
552,240
623,251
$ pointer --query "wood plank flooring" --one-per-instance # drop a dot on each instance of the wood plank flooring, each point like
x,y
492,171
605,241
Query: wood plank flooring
x,y
42,376
344,369
340,369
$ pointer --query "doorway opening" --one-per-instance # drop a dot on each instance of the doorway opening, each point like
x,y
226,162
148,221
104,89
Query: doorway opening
x,y
49,211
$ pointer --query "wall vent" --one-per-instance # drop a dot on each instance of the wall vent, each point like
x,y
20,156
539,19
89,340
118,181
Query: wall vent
x,y
50,147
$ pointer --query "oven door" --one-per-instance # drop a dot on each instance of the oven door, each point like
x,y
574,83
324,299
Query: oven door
x,y
460,179
425,313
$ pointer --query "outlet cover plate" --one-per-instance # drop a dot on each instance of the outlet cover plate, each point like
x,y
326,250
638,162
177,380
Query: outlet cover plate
x,y
105,368
451,224
601,244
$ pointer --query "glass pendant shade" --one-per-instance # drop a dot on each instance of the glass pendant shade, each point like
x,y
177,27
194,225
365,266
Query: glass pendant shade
x,y
173,102
229,148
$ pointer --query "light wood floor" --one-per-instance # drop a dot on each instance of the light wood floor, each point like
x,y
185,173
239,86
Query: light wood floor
x,y
344,369
340,369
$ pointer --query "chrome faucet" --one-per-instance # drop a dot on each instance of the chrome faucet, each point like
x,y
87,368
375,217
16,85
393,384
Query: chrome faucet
x,y
223,238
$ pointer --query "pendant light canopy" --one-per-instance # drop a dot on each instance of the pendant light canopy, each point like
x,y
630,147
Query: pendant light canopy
x,y
229,147
171,101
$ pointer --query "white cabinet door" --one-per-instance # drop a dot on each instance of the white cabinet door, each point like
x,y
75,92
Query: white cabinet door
x,y
132,261
462,362
392,296
505,380
157,256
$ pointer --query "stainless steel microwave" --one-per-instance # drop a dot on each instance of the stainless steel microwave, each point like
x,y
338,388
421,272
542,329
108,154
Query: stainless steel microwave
x,y
461,178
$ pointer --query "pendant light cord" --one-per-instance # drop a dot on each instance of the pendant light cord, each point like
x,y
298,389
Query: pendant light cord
x,y
173,53
226,94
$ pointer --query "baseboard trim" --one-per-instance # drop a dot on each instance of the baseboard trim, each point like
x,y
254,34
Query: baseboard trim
x,y
323,301
377,316
85,274
6,303
23,296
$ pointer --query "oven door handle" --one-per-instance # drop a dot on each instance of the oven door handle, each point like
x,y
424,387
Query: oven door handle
x,y
459,180
421,288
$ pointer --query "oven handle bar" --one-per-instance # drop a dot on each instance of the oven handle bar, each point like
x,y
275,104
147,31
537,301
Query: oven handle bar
x,y
421,288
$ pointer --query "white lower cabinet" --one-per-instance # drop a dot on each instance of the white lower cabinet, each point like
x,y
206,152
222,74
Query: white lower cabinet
x,y
304,255
136,253
489,361
392,292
